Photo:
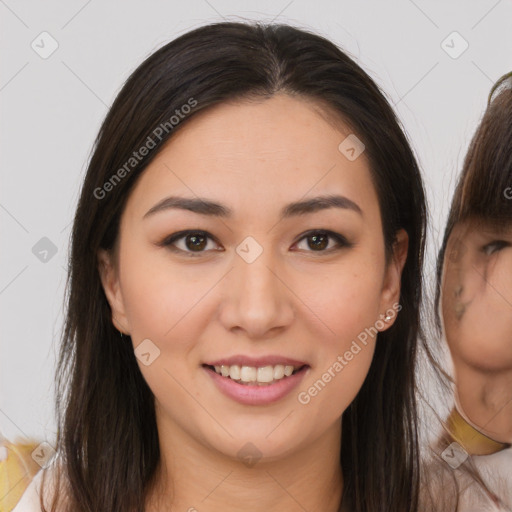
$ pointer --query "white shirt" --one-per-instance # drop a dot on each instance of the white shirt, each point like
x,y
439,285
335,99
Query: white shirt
x,y
29,501
496,471
444,485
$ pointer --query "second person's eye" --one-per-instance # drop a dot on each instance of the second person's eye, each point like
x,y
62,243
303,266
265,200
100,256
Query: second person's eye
x,y
495,246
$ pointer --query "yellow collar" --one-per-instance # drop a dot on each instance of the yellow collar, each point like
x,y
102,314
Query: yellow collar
x,y
473,441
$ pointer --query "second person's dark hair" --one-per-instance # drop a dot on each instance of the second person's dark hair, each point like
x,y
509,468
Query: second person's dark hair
x,y
484,187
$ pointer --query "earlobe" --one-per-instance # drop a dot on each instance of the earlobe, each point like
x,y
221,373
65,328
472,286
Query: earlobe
x,y
110,283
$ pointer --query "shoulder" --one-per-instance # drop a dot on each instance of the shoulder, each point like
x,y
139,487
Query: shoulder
x,y
456,488
497,470
500,461
30,500
17,469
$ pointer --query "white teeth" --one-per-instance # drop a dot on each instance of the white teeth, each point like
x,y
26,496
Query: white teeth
x,y
259,375
266,374
278,371
248,374
234,372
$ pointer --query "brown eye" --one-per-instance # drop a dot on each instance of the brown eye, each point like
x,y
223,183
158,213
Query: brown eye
x,y
195,242
318,241
190,241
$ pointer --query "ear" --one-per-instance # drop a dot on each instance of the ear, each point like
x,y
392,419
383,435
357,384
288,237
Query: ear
x,y
110,281
390,294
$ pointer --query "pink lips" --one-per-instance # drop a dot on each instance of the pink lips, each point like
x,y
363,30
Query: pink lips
x,y
251,394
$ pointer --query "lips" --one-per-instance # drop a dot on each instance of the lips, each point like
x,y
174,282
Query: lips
x,y
247,386
253,380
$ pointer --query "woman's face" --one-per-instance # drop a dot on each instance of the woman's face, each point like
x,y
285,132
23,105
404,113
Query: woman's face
x,y
477,295
228,257
476,308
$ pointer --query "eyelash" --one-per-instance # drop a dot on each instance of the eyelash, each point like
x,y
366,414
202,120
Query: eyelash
x,y
497,244
170,240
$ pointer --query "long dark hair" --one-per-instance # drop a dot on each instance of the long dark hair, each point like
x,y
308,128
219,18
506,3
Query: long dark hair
x,y
107,438
484,187
483,192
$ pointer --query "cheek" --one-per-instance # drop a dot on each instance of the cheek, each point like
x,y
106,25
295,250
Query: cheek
x,y
349,317
347,298
160,298
479,321
166,305
500,280
349,310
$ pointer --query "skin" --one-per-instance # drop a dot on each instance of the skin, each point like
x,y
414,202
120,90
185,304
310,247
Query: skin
x,y
477,316
294,300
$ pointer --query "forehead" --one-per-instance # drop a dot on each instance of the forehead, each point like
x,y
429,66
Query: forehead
x,y
257,152
476,228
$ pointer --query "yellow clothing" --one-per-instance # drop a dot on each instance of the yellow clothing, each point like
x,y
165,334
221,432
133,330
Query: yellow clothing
x,y
17,469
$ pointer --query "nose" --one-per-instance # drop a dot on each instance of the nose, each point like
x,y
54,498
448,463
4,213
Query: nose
x,y
256,298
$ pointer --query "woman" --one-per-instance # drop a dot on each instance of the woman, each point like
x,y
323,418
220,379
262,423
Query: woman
x,y
475,299
244,287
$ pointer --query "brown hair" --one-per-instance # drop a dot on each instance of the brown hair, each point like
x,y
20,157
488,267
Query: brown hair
x,y
484,187
484,192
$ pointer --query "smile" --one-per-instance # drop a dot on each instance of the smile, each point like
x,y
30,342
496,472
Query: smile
x,y
256,376
256,385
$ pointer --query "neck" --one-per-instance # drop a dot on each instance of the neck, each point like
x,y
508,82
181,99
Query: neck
x,y
484,400
473,441
194,477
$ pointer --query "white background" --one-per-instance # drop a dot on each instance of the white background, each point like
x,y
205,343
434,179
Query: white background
x,y
52,109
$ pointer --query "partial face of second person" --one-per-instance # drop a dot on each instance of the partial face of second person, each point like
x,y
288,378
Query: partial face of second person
x,y
477,315
281,292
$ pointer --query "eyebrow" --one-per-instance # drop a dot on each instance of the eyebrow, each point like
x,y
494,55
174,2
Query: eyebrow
x,y
211,208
